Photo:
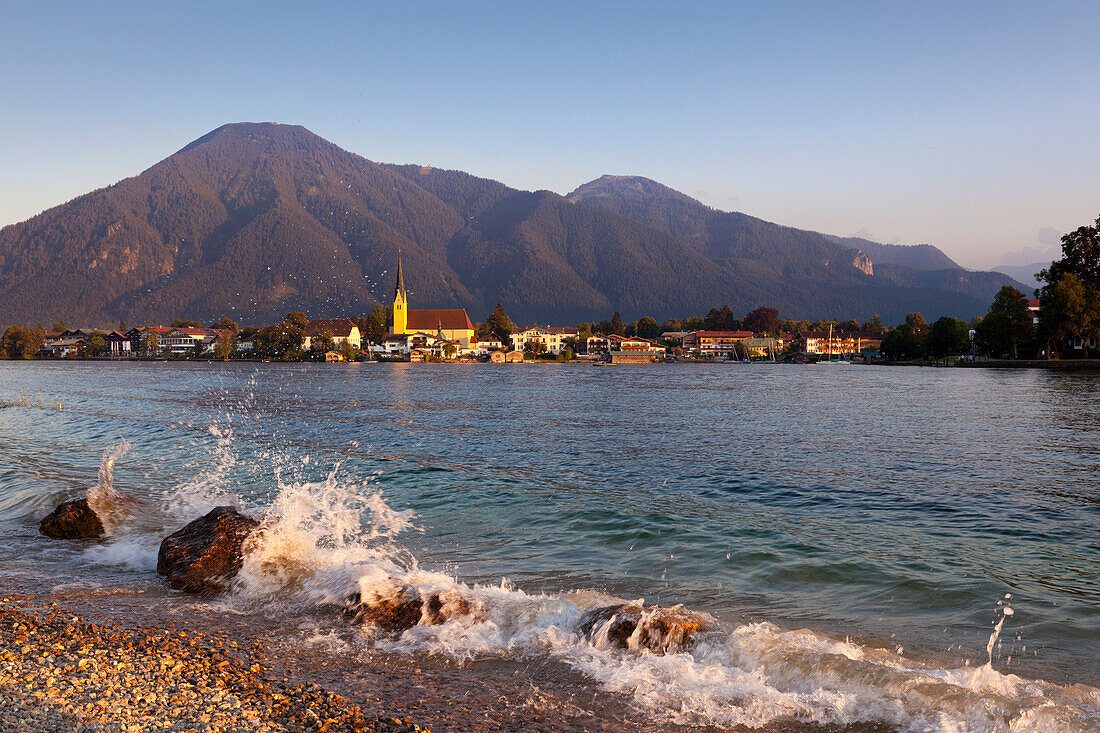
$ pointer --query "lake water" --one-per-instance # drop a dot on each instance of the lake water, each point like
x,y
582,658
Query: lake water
x,y
859,532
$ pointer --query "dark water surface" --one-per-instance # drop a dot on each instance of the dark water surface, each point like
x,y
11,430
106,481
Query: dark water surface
x,y
901,507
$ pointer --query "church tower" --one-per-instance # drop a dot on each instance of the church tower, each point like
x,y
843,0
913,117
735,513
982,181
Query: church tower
x,y
400,302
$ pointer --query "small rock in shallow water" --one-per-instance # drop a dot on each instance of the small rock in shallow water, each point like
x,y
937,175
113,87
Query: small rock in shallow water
x,y
204,555
634,626
397,606
72,520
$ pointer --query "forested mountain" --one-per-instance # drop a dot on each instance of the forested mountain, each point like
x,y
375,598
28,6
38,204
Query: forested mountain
x,y
916,256
255,220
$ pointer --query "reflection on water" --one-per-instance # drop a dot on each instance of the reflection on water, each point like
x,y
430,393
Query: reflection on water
x,y
893,505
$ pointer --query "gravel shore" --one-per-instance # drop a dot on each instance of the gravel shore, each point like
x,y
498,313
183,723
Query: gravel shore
x,y
61,673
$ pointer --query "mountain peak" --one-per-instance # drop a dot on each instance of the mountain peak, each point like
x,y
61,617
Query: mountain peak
x,y
236,132
627,187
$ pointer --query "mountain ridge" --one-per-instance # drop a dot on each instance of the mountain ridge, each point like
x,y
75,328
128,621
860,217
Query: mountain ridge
x,y
253,220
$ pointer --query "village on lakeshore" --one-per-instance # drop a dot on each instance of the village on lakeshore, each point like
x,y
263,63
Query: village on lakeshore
x,y
1010,331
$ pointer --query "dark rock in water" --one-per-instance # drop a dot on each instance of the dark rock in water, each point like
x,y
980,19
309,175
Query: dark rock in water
x,y
394,606
203,556
634,626
72,520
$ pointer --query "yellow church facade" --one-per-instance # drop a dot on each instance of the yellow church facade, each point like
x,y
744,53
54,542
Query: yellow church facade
x,y
452,324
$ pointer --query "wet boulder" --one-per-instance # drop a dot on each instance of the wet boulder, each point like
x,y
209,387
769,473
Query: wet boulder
x,y
72,520
207,553
394,606
635,626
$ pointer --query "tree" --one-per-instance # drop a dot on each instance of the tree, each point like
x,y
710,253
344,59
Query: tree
x,y
762,320
322,343
902,343
21,343
150,342
348,351
849,326
948,337
226,345
533,348
616,326
1069,300
874,325
568,354
1080,256
375,326
719,319
185,324
647,328
449,351
1007,323
1069,310
297,318
498,324
58,327
226,324
282,341
96,345
916,322
740,351
198,349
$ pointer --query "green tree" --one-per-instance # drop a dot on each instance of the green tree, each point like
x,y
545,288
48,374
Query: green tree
x,y
297,318
281,341
1069,310
902,343
376,325
499,324
178,323
874,325
96,345
150,342
348,351
198,349
616,326
1068,299
322,343
916,322
568,354
533,348
719,319
1006,325
948,337
226,345
648,328
849,326
226,324
58,327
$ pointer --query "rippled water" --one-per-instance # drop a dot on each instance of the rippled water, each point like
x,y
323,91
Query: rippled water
x,y
895,510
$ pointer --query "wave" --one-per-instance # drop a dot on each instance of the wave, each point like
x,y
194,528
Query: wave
x,y
335,544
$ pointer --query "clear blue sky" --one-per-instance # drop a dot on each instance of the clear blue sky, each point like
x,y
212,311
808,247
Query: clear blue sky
x,y
973,126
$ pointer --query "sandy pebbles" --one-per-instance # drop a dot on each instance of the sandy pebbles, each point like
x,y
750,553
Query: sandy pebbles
x,y
61,673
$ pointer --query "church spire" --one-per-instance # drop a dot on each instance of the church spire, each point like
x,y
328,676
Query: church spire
x,y
399,291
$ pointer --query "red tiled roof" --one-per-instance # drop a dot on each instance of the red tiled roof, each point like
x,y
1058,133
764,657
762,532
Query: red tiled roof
x,y
723,334
1032,302
338,326
432,319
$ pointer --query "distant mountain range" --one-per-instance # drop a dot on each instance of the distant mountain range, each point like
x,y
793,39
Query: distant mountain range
x,y
1024,274
255,220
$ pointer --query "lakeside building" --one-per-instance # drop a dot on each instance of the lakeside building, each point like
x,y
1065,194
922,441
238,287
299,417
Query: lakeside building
x,y
595,345
185,340
486,345
551,338
715,344
634,350
1033,309
762,346
838,344
343,331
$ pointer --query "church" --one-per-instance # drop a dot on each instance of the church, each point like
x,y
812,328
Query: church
x,y
452,324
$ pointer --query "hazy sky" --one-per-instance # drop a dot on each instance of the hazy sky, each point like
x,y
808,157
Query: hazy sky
x,y
973,126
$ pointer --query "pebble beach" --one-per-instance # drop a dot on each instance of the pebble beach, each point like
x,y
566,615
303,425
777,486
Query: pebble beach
x,y
59,672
